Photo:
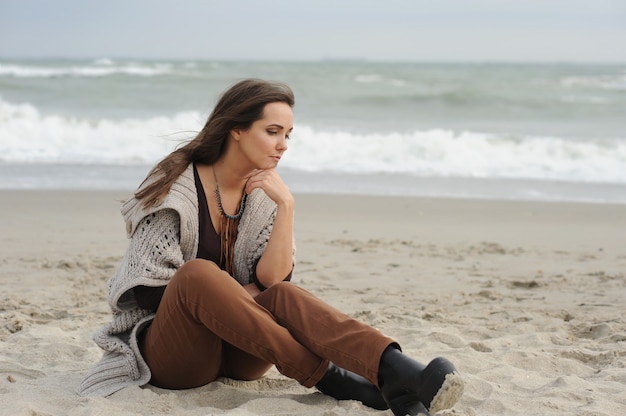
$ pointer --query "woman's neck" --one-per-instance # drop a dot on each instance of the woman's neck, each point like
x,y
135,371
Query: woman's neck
x,y
230,173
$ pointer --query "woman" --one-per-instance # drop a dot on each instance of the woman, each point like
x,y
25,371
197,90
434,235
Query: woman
x,y
203,290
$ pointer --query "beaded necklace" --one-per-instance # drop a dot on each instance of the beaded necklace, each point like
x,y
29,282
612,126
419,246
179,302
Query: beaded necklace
x,y
218,196
228,227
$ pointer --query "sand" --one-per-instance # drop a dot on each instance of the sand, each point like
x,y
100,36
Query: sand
x,y
527,298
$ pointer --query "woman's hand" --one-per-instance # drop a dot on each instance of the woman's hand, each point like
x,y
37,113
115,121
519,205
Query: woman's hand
x,y
271,183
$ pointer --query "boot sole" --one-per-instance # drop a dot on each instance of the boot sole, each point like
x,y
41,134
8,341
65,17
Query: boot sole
x,y
408,405
448,394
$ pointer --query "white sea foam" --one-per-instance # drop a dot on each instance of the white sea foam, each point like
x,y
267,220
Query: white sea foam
x,y
606,82
103,61
375,78
586,100
465,154
100,68
28,136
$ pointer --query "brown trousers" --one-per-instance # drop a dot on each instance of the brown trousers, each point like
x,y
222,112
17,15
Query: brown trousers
x,y
208,326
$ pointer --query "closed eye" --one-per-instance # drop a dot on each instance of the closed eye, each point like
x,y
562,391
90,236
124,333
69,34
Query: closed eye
x,y
274,133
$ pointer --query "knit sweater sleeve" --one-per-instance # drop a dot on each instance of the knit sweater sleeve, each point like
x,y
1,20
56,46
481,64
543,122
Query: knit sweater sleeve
x,y
254,233
162,238
152,258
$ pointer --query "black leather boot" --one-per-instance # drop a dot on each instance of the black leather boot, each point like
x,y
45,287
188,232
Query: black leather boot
x,y
346,385
409,388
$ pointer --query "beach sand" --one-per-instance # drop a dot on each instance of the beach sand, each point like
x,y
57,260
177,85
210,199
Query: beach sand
x,y
528,299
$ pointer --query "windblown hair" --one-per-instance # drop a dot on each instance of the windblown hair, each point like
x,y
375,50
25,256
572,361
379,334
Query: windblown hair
x,y
238,107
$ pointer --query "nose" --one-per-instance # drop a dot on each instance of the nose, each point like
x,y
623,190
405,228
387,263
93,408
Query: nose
x,y
282,143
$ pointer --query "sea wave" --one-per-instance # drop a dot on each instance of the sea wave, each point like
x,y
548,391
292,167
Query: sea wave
x,y
616,82
447,153
379,79
100,68
28,136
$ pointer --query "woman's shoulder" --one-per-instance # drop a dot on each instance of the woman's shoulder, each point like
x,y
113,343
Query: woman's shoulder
x,y
182,198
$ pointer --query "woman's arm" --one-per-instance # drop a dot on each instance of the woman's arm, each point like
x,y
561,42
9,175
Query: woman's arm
x,y
276,262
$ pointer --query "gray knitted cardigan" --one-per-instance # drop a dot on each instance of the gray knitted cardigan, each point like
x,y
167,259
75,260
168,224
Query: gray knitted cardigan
x,y
162,238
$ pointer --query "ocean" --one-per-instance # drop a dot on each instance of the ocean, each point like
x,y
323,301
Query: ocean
x,y
553,132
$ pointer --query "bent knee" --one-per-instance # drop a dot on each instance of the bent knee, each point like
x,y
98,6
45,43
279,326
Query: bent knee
x,y
280,290
281,293
195,266
195,270
281,287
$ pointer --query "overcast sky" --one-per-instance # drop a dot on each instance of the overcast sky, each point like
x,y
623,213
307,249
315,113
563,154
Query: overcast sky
x,y
408,30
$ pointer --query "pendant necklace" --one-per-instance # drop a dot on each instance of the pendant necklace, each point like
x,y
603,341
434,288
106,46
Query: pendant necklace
x,y
218,196
228,228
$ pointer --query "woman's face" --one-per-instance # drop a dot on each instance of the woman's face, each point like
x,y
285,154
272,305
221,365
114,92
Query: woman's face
x,y
264,143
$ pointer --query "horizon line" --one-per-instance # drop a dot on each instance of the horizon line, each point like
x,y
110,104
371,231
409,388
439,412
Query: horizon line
x,y
319,60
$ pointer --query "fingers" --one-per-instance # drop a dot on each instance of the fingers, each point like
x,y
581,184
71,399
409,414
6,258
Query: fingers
x,y
261,175
252,173
270,182
261,180
250,186
255,180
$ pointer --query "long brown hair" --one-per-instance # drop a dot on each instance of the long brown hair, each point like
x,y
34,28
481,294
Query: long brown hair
x,y
238,107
